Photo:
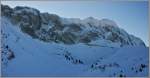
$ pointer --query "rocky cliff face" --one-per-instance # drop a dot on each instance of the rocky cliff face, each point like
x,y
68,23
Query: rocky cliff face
x,y
53,28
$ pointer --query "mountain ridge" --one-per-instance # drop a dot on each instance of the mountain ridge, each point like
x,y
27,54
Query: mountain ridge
x,y
53,28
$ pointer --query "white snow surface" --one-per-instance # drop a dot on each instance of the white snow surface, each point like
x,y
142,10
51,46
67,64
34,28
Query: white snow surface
x,y
37,58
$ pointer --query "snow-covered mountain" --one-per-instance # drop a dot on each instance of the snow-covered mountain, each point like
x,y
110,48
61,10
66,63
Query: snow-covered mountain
x,y
52,28
43,44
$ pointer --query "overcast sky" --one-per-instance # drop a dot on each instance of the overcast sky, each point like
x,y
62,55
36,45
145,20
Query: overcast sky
x,y
132,16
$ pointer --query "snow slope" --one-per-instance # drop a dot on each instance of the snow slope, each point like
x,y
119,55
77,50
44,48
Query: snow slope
x,y
37,58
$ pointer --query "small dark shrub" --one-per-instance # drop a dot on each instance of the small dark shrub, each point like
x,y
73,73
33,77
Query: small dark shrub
x,y
7,46
140,70
92,66
143,65
120,75
132,68
136,71
11,56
